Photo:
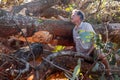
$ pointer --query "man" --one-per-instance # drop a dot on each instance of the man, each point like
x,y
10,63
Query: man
x,y
86,48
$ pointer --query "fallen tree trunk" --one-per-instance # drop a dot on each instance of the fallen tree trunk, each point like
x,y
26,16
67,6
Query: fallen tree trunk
x,y
61,30
14,22
35,8
65,61
11,25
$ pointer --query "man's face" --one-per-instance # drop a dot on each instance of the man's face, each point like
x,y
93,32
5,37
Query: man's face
x,y
74,17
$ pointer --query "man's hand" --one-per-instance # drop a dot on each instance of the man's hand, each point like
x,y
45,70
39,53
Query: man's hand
x,y
88,54
90,51
70,48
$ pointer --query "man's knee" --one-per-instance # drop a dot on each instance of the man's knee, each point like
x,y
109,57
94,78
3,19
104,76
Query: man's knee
x,y
101,57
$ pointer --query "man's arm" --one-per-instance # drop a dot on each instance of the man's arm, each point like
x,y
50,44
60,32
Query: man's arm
x,y
90,28
91,49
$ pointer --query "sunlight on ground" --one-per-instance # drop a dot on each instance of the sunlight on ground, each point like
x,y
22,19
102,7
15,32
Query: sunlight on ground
x,y
57,76
31,77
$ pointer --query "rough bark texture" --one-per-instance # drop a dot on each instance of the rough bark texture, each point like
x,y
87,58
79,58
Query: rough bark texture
x,y
13,23
52,12
36,8
112,29
9,21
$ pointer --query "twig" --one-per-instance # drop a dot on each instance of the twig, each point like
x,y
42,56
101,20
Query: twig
x,y
89,69
56,65
106,34
18,75
27,67
3,76
108,53
27,43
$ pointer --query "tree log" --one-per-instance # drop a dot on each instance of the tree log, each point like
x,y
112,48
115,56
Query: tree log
x,y
54,63
35,8
11,25
61,30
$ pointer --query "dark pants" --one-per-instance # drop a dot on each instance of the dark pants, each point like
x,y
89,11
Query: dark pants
x,y
94,55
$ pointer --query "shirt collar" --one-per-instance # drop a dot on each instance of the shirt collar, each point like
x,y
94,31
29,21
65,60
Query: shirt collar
x,y
80,25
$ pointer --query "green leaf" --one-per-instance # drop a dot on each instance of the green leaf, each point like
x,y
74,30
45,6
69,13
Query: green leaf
x,y
109,45
100,36
102,77
76,71
117,77
68,9
118,52
95,68
40,20
4,1
86,36
58,48
79,62
98,42
80,31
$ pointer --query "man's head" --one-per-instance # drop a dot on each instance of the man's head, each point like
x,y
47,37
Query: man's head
x,y
77,16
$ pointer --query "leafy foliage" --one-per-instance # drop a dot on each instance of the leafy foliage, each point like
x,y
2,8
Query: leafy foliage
x,y
102,77
8,3
76,71
70,7
58,48
98,41
98,11
86,36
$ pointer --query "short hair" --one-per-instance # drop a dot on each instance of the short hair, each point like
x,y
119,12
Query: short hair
x,y
79,13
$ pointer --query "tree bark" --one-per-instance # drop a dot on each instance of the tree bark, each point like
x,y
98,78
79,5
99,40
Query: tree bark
x,y
52,12
11,25
35,8
10,21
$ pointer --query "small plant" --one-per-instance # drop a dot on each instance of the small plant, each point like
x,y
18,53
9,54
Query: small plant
x,y
76,71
